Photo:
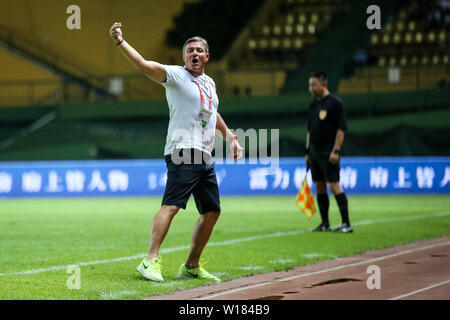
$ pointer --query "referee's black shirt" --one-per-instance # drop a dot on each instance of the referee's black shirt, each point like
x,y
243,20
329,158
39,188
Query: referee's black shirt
x,y
326,116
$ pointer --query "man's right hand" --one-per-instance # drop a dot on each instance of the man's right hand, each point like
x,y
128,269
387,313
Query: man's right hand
x,y
115,32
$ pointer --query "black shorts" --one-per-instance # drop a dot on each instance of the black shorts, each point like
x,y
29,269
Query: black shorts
x,y
186,179
322,169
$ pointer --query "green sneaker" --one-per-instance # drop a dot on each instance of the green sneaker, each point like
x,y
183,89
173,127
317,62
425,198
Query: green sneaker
x,y
198,273
151,269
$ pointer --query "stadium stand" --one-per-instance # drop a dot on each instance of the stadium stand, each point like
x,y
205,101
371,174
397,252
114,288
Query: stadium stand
x,y
37,31
411,52
259,88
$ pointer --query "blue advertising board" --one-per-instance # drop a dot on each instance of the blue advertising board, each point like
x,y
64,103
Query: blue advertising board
x,y
359,175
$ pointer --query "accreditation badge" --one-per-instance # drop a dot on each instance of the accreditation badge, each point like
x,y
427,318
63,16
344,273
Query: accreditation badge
x,y
322,114
203,118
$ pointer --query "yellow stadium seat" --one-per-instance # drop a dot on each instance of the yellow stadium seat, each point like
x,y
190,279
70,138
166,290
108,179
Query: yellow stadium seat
x,y
388,27
288,29
265,30
445,58
408,37
382,61
275,43
436,59
386,38
302,18
412,26
290,18
299,29
419,37
298,43
442,36
392,61
374,39
425,60
263,43
403,61
431,36
276,29
287,43
402,14
311,29
396,38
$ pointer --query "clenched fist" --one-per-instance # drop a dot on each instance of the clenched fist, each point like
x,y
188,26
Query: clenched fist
x,y
115,32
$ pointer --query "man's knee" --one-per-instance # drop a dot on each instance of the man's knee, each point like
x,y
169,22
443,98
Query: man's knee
x,y
321,187
170,209
335,187
211,215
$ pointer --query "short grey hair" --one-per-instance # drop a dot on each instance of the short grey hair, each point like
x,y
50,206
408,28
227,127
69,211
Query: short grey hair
x,y
196,39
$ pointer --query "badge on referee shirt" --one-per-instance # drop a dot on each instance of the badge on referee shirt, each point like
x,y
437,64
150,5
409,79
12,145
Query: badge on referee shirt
x,y
322,114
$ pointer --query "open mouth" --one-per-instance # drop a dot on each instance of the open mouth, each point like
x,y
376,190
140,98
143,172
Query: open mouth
x,y
195,60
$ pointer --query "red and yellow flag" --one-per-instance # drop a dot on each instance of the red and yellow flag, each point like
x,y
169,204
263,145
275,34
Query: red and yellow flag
x,y
305,200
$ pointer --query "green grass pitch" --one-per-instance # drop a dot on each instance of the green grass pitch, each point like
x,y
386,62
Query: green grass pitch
x,y
108,237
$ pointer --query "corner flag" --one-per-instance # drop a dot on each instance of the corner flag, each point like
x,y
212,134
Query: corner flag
x,y
305,199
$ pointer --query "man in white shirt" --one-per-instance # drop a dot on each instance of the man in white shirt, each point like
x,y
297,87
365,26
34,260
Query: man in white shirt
x,y
192,99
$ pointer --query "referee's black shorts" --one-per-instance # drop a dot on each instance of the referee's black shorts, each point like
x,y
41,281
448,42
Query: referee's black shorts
x,y
322,169
185,179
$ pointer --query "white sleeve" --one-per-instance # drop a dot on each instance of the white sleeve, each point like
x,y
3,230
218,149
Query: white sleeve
x,y
174,75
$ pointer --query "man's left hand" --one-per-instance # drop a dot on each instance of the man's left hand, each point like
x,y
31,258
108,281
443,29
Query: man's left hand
x,y
334,158
236,150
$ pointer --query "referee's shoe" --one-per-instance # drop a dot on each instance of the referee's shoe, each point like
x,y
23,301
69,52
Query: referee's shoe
x,y
322,228
344,228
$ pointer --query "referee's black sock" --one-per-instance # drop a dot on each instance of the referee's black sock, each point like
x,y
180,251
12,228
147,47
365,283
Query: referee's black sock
x,y
342,203
324,204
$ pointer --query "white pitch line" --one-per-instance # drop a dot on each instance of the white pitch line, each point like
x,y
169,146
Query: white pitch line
x,y
220,243
210,296
421,290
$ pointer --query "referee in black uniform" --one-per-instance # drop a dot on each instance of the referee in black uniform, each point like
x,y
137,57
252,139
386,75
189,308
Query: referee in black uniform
x,y
326,128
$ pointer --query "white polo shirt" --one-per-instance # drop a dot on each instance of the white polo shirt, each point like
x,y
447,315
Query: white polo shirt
x,y
192,121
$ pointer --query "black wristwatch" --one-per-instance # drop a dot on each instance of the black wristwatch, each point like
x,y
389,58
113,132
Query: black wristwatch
x,y
336,151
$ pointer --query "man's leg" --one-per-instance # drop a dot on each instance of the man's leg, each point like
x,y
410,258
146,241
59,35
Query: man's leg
x,y
200,236
160,226
342,203
322,200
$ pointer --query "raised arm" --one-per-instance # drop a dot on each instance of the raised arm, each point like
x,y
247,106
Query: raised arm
x,y
236,150
153,70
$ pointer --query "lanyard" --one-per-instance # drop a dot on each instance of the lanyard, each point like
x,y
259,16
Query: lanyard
x,y
202,96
